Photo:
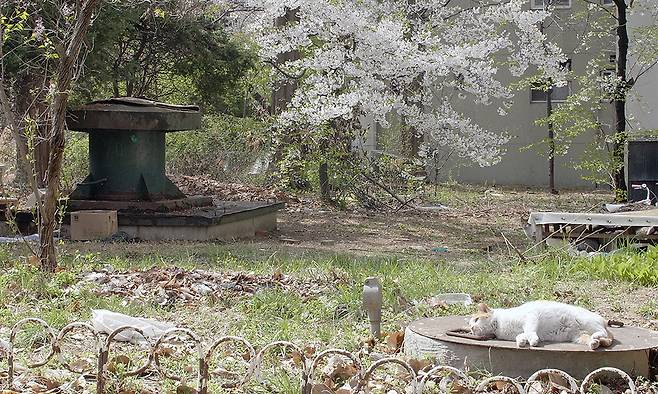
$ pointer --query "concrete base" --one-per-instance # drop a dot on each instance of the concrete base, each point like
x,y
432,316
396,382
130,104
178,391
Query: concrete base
x,y
227,221
244,228
427,338
180,204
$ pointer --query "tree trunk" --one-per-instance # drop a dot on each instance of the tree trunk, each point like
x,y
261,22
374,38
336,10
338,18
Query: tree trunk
x,y
323,176
67,64
620,96
283,93
31,108
551,142
285,89
11,120
411,141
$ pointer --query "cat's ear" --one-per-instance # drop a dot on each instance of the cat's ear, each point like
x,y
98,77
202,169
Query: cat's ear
x,y
483,308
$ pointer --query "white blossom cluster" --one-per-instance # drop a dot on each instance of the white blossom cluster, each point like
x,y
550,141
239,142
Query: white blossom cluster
x,y
404,59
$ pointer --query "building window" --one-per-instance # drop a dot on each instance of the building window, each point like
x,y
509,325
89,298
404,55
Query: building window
x,y
608,72
612,58
559,94
608,2
542,4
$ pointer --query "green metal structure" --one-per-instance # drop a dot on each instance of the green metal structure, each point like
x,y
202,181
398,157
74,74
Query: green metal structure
x,y
127,148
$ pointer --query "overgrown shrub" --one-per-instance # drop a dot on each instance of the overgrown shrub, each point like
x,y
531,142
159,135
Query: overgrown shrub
x,y
76,160
226,148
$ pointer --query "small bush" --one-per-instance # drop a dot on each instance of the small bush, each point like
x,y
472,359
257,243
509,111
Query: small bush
x,y
632,266
226,148
76,160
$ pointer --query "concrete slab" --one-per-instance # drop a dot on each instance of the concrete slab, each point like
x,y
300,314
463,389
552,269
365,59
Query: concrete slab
x,y
227,221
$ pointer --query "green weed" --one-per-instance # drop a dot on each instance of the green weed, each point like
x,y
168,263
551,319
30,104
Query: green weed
x,y
632,266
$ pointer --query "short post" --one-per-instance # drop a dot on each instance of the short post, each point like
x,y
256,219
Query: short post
x,y
372,303
2,183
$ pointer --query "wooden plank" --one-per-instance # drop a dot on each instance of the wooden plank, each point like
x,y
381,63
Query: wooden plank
x,y
648,212
8,201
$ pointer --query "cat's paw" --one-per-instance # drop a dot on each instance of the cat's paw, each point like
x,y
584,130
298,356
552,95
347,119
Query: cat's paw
x,y
522,341
594,344
533,339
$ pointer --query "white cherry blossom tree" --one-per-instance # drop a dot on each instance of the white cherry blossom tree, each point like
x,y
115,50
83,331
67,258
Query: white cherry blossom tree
x,y
403,59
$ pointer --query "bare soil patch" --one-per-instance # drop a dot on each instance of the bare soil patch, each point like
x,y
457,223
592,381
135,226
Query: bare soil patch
x,y
474,218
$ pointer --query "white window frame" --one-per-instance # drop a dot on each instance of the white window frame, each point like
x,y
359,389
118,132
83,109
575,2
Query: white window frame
x,y
612,58
535,6
607,72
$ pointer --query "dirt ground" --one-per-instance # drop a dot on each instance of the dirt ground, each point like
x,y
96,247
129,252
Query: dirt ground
x,y
477,223
459,224
451,220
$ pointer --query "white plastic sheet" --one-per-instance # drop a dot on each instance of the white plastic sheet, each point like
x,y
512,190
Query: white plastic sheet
x,y
106,321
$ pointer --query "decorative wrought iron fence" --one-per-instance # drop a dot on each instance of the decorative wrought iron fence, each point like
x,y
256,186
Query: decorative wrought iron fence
x,y
416,382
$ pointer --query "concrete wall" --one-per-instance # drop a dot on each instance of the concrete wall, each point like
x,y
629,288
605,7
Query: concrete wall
x,y
522,165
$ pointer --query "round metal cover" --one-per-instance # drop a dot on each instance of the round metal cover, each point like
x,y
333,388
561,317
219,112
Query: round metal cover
x,y
626,338
133,114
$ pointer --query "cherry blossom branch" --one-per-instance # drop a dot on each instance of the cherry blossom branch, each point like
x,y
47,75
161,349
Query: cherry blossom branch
x,y
602,7
285,73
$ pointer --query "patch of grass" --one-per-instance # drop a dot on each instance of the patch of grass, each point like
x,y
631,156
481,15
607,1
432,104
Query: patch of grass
x,y
636,267
328,319
649,309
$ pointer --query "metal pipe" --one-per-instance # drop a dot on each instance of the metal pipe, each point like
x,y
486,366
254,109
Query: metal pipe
x,y
372,303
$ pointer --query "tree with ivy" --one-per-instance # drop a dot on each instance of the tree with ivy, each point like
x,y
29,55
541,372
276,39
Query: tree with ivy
x,y
51,35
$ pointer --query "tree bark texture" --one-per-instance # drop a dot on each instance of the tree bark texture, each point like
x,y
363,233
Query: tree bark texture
x,y
323,176
551,142
283,93
65,73
620,94
32,108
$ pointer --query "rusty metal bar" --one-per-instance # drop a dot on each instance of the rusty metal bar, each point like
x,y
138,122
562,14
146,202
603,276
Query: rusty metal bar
x,y
415,381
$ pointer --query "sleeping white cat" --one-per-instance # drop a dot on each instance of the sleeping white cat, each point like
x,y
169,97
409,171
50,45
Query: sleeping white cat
x,y
540,321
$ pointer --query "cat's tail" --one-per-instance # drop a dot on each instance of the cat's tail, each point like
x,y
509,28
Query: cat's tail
x,y
615,323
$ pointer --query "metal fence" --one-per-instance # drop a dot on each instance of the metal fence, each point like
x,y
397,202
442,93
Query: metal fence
x,y
415,382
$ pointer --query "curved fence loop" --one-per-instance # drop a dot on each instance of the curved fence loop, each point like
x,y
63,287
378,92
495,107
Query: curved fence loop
x,y
482,387
60,338
246,363
608,370
432,373
12,342
335,352
171,333
258,362
213,348
110,340
573,385
367,376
